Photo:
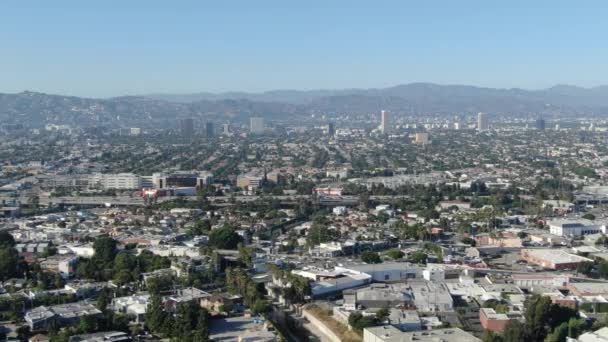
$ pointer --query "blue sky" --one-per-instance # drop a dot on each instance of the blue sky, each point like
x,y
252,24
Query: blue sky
x,y
107,48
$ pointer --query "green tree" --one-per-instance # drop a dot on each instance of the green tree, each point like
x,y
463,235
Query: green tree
x,y
585,267
122,277
246,255
559,334
202,325
468,241
6,239
11,265
395,254
589,216
515,332
87,324
201,227
370,257
105,251
359,322
103,299
382,314
418,257
185,318
261,306
224,238
155,315
318,233
537,316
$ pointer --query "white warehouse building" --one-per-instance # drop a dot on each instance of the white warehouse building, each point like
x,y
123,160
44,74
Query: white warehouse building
x,y
576,227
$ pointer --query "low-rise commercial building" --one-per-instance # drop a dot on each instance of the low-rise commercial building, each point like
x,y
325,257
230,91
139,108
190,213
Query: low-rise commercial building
x,y
389,333
554,259
495,322
575,227
42,317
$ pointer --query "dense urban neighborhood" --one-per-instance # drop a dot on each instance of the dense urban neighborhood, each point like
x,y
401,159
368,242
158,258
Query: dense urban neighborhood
x,y
378,227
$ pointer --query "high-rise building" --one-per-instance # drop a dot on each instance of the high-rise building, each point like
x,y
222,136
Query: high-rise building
x,y
385,124
186,126
422,138
209,129
482,122
540,124
331,129
256,125
226,129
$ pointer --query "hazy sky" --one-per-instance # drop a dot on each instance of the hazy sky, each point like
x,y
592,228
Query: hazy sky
x,y
107,48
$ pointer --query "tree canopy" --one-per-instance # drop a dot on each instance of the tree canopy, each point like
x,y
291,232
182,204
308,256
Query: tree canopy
x,y
224,238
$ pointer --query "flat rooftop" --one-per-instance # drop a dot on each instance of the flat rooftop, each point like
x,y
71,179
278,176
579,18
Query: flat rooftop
x,y
389,333
556,256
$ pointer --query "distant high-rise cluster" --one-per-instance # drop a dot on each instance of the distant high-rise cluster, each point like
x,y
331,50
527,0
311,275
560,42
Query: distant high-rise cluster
x,y
385,124
482,122
256,125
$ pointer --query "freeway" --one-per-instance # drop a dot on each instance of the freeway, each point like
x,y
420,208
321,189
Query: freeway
x,y
227,200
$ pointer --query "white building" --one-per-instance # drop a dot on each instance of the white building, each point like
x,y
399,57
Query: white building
x,y
389,333
385,124
482,122
331,282
256,125
133,305
422,138
339,211
249,181
341,173
575,227
182,179
115,181
431,297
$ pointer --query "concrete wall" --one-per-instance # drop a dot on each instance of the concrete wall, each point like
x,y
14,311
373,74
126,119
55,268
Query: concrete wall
x,y
319,325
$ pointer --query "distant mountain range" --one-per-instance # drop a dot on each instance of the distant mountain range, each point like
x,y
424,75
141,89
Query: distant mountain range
x,y
415,92
414,99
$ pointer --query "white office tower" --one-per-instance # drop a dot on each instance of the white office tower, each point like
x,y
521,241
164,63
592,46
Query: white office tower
x,y
482,122
385,124
256,125
422,138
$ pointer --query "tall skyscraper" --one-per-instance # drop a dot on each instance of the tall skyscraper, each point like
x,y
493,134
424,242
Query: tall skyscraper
x,y
331,129
256,125
540,124
209,129
226,129
385,124
482,122
186,126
